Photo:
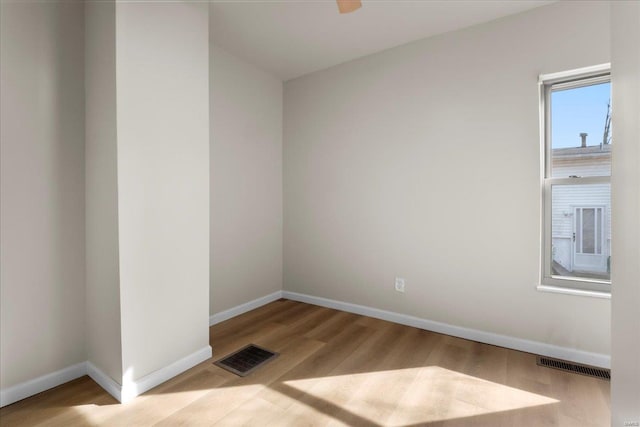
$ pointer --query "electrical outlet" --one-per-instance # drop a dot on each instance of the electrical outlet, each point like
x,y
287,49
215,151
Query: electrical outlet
x,y
399,284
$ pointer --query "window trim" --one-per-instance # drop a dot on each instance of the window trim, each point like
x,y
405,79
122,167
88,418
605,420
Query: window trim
x,y
564,80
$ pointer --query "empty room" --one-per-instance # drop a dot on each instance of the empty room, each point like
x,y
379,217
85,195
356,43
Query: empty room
x,y
320,212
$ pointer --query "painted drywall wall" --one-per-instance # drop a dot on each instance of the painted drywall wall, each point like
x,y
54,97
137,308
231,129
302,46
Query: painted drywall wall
x,y
162,67
422,162
42,189
625,324
104,348
246,182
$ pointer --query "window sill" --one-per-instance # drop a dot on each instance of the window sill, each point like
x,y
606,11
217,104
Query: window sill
x,y
571,291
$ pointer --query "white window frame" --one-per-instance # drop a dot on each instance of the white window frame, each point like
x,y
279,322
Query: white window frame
x,y
548,281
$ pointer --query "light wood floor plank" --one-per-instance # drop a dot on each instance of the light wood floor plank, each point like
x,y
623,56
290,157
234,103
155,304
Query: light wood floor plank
x,y
338,369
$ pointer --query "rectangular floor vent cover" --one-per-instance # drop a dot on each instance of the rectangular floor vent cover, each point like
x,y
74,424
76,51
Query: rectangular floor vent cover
x,y
563,365
246,360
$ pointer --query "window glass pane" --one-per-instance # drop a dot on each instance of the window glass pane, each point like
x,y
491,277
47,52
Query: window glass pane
x,y
598,234
577,237
581,230
581,131
588,230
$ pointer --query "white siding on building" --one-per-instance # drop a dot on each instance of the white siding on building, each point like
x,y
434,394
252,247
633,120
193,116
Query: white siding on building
x,y
565,198
599,166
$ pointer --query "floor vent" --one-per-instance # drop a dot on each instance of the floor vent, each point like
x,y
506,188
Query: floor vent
x,y
563,365
246,360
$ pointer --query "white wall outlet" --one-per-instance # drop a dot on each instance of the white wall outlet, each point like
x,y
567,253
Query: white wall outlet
x,y
399,284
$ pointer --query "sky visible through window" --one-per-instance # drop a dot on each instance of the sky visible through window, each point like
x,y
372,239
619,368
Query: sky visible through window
x,y
577,110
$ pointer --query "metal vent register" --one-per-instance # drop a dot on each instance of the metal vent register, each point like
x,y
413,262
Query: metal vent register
x,y
246,360
576,368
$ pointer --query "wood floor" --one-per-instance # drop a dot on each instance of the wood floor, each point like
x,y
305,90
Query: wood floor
x,y
337,368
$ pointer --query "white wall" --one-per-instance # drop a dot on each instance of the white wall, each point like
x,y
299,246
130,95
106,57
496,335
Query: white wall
x,y
423,162
162,67
42,189
246,182
103,335
625,331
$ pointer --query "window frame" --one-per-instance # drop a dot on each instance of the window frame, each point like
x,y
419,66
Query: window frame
x,y
547,82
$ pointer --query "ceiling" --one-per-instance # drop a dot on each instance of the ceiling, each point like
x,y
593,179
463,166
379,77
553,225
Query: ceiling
x,y
290,38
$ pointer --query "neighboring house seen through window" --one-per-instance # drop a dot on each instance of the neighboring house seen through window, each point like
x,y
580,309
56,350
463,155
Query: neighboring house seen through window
x,y
576,191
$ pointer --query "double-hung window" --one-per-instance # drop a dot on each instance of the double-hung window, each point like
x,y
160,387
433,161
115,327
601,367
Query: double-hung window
x,y
576,189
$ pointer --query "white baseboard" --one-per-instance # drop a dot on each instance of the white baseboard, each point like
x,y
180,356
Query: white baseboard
x,y
105,381
243,308
535,347
40,384
122,393
132,388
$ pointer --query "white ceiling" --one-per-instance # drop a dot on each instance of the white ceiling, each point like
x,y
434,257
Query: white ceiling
x,y
290,38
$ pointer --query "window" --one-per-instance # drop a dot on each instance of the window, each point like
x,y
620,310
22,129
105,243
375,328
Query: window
x,y
576,188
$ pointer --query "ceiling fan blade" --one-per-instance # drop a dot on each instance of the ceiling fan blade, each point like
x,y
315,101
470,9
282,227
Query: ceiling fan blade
x,y
346,6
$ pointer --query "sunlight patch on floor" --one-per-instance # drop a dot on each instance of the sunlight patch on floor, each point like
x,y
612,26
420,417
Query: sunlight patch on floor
x,y
157,406
413,396
89,414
